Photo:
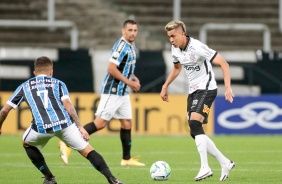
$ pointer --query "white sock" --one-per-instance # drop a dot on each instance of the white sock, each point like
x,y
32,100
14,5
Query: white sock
x,y
212,150
201,143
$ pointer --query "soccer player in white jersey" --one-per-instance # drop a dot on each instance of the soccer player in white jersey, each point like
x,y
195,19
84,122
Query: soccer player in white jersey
x,y
196,59
115,100
53,115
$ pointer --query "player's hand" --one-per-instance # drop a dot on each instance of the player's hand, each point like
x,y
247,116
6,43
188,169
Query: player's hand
x,y
84,133
134,85
164,94
229,94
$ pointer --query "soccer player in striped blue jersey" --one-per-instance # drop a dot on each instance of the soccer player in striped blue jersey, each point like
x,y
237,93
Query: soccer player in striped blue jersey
x,y
115,100
53,115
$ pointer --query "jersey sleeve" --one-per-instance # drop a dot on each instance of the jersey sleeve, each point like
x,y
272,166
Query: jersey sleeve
x,y
118,52
16,98
206,52
174,53
64,93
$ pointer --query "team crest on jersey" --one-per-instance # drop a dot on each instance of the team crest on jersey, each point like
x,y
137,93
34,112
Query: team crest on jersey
x,y
206,109
192,57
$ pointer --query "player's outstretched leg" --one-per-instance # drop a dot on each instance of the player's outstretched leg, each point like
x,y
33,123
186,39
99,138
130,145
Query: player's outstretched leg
x,y
226,169
205,170
39,162
197,132
65,152
98,162
226,164
127,160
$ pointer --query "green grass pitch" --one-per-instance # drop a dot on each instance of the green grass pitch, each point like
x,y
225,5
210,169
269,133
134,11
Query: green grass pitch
x,y
258,160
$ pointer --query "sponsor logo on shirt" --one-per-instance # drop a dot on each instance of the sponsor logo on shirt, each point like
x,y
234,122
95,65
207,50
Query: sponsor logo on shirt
x,y
206,109
114,90
192,68
175,58
46,126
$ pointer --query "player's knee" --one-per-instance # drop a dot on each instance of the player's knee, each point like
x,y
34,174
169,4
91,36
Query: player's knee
x,y
86,151
24,144
35,155
100,125
196,127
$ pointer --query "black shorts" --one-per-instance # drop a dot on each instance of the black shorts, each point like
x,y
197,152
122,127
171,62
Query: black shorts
x,y
200,101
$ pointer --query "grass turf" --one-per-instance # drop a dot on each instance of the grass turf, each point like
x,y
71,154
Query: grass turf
x,y
258,160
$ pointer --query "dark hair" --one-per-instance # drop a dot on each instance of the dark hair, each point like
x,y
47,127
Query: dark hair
x,y
43,63
129,21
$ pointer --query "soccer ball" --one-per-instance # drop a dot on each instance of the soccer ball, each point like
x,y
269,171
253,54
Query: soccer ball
x,y
160,171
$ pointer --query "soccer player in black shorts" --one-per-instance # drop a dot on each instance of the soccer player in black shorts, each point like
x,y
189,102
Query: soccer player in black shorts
x,y
197,58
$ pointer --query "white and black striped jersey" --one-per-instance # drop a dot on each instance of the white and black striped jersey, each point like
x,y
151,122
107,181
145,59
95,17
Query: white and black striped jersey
x,y
196,59
124,56
44,95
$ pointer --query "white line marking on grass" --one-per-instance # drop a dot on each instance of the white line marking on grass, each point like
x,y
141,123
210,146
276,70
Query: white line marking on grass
x,y
150,153
88,166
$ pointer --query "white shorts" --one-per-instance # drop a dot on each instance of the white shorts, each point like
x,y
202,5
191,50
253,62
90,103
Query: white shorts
x,y
114,106
70,135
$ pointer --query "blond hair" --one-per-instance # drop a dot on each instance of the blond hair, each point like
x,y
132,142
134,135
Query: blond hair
x,y
175,24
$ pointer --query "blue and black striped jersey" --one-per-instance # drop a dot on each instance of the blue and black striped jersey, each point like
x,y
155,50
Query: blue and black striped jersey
x,y
124,56
44,95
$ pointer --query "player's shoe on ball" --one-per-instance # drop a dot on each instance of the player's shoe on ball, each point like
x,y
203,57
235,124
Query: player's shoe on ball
x,y
131,162
203,174
113,180
225,170
65,152
50,181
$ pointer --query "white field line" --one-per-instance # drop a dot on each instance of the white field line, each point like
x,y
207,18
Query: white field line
x,y
86,165
149,153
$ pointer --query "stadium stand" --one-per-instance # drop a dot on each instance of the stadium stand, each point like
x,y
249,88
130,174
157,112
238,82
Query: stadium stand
x,y
155,14
23,36
99,22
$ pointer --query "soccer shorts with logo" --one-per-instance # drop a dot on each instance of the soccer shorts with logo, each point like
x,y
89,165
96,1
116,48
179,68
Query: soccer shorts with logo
x,y
200,101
